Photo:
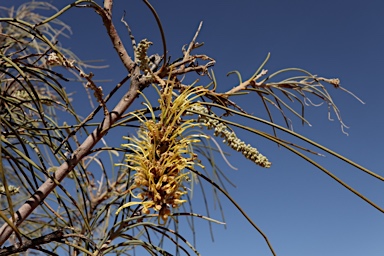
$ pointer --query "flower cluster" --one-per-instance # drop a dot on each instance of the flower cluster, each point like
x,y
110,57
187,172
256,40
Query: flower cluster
x,y
54,60
141,55
162,155
11,189
230,138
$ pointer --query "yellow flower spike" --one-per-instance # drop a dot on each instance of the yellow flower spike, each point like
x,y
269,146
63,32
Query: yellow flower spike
x,y
179,194
158,184
178,202
145,204
162,153
166,187
163,178
148,105
145,210
157,197
169,191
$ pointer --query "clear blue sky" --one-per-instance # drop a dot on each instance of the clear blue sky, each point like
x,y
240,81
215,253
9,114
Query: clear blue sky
x,y
300,209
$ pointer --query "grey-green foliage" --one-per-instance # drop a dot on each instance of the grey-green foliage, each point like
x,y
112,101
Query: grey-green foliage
x,y
42,132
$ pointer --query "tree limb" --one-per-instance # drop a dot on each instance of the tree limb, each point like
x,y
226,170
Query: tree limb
x,y
33,243
136,83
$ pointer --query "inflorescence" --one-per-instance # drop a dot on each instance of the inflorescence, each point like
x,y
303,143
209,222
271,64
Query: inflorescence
x,y
230,137
11,189
142,57
162,155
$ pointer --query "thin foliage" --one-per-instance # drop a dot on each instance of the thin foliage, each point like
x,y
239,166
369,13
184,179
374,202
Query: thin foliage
x,y
87,197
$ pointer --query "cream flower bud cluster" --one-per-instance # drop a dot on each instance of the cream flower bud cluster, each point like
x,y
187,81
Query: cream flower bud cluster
x,y
230,137
12,189
141,55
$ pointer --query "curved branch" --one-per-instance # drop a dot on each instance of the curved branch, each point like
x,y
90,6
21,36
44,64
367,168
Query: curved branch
x,y
161,32
54,236
237,206
136,84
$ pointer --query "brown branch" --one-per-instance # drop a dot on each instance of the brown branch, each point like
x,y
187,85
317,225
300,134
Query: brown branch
x,y
191,59
108,6
114,36
92,114
136,83
192,44
244,85
33,243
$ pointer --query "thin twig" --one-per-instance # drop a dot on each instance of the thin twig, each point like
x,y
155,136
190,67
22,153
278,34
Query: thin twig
x,y
161,32
47,187
237,206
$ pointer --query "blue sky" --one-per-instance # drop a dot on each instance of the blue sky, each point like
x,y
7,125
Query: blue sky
x,y
299,208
